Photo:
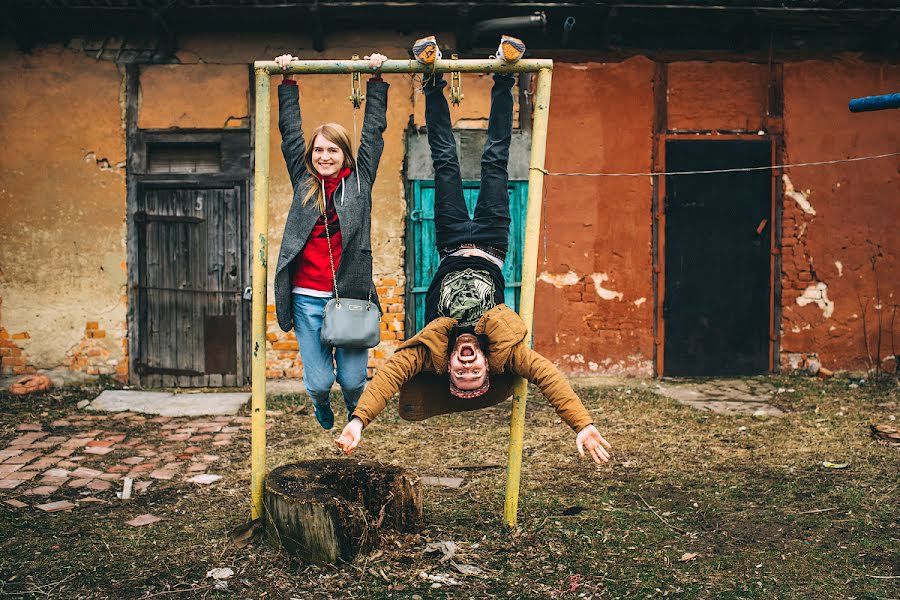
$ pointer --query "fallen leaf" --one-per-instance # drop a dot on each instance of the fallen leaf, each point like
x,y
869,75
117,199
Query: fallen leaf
x,y
143,520
205,479
688,556
833,465
243,535
466,569
220,573
448,549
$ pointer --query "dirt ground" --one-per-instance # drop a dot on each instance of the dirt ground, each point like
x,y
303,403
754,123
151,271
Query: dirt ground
x,y
694,504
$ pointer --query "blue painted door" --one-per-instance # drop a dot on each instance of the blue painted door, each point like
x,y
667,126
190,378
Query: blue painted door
x,y
422,256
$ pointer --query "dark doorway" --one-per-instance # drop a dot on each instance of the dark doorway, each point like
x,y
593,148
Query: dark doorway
x,y
717,258
190,250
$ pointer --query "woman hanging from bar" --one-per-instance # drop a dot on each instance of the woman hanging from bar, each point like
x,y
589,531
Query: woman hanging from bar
x,y
473,347
329,185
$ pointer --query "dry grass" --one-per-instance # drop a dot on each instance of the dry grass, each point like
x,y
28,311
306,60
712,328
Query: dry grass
x,y
748,496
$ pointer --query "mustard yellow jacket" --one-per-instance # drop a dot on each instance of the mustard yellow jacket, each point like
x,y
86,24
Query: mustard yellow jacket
x,y
418,370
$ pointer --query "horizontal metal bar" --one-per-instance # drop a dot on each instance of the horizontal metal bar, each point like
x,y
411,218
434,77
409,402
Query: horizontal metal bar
x,y
188,290
324,67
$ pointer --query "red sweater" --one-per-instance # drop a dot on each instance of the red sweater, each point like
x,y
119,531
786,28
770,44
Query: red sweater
x,y
313,265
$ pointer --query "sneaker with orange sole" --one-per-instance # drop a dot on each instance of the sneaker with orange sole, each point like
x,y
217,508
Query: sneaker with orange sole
x,y
426,50
511,49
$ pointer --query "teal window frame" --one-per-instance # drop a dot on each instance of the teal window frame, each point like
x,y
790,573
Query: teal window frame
x,y
421,255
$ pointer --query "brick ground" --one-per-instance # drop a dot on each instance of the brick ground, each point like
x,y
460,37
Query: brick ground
x,y
83,458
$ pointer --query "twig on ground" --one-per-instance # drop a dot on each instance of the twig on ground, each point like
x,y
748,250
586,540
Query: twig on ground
x,y
816,511
658,516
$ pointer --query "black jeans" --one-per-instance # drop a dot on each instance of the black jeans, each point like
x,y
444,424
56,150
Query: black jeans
x,y
489,229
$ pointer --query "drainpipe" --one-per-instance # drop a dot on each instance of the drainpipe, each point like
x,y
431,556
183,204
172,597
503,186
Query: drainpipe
x,y
504,24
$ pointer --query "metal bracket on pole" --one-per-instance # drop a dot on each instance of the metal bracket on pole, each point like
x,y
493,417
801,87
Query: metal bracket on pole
x,y
356,95
456,95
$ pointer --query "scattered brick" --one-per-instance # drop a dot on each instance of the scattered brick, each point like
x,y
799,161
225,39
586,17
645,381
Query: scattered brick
x,y
56,506
61,423
53,480
222,442
198,467
29,427
64,452
98,485
192,449
23,475
143,520
100,443
98,451
142,486
42,490
110,477
205,479
4,454
22,459
91,499
115,439
200,438
57,473
10,484
48,461
16,503
134,460
118,469
162,474
66,464
85,472
178,437
78,483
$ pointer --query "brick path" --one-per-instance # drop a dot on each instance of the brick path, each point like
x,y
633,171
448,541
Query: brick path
x,y
84,458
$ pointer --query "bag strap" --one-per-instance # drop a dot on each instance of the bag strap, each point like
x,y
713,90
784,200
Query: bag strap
x,y
331,255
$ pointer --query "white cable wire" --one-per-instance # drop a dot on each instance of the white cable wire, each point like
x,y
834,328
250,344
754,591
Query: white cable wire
x,y
736,170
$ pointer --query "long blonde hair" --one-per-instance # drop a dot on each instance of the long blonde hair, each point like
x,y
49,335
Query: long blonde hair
x,y
337,135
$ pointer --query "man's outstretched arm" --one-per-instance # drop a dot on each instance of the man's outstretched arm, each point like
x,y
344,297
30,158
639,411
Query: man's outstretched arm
x,y
556,388
400,368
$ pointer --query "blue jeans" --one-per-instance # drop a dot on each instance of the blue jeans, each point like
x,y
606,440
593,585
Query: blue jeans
x,y
323,364
452,225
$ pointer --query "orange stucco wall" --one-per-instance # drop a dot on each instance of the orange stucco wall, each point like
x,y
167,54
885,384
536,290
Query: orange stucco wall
x,y
840,218
62,201
62,194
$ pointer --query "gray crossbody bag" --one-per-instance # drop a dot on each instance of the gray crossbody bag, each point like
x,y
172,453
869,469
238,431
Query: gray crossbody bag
x,y
347,322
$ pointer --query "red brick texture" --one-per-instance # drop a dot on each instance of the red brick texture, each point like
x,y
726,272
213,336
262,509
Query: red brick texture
x,y
283,354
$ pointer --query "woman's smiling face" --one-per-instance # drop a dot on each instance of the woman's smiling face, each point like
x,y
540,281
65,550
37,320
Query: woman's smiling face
x,y
327,157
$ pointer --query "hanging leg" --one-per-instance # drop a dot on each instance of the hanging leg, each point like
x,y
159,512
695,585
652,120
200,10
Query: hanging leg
x,y
451,218
491,223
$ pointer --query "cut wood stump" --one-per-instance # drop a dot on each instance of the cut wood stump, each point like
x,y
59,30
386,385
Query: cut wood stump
x,y
323,510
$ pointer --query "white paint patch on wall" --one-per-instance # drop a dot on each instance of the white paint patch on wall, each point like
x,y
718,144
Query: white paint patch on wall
x,y
573,358
559,280
799,197
604,293
639,301
840,268
817,294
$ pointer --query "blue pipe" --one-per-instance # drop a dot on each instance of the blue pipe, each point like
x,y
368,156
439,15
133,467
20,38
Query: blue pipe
x,y
875,103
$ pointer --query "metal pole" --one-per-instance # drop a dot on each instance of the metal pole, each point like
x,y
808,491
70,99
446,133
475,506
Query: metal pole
x,y
529,277
260,250
322,67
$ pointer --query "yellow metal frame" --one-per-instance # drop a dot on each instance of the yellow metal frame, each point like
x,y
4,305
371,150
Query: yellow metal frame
x,y
263,70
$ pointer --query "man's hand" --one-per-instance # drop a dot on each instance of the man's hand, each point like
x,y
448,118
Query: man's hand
x,y
376,60
284,60
590,439
351,435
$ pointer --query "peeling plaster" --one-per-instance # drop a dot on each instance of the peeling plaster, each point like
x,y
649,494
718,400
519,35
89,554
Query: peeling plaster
x,y
840,268
801,198
604,293
561,280
639,301
817,294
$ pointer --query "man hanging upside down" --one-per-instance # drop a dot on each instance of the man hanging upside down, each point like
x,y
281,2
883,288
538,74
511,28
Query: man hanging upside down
x,y
471,338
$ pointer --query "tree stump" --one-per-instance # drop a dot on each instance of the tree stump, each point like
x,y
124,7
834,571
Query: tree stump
x,y
322,510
